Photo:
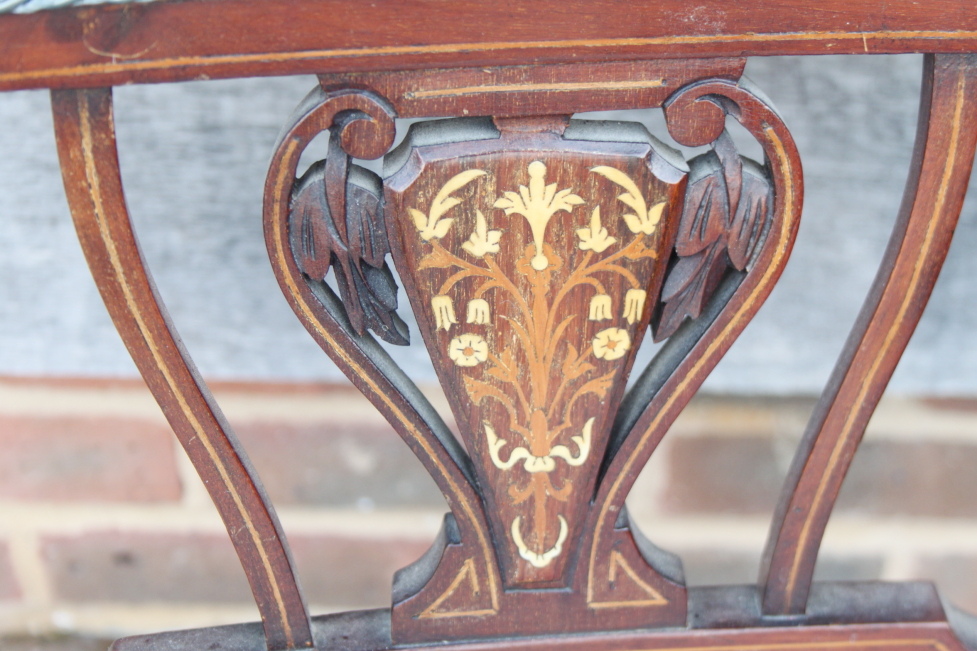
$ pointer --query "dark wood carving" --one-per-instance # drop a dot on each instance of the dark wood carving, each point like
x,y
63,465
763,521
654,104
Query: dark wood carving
x,y
354,242
727,211
535,251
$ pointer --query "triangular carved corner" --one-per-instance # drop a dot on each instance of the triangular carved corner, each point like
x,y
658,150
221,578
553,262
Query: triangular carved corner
x,y
465,583
635,574
620,574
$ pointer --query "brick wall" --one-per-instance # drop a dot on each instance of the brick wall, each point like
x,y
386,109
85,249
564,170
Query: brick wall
x,y
105,529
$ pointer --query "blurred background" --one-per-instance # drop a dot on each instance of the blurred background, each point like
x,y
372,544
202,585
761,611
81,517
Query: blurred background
x,y
105,530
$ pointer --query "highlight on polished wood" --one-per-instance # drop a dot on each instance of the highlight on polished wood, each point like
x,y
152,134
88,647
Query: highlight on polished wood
x,y
536,251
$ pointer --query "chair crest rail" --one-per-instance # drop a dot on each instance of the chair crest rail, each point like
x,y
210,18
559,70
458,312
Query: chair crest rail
x,y
536,251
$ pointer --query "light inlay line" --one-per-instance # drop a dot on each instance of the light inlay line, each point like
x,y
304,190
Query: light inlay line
x,y
94,183
309,316
908,298
526,88
166,63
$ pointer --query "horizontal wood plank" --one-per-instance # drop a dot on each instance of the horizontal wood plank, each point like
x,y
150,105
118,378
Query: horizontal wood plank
x,y
202,39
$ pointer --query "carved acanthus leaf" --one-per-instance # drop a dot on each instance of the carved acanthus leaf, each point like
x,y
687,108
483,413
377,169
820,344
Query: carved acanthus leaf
x,y
353,244
728,207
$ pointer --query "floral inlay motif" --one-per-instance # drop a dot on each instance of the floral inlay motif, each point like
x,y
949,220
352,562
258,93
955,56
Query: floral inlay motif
x,y
595,238
468,350
538,203
444,312
479,312
611,344
517,371
600,307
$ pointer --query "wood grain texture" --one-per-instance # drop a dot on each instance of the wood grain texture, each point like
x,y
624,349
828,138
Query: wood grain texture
x,y
89,161
509,91
935,190
207,39
370,369
864,615
553,292
694,116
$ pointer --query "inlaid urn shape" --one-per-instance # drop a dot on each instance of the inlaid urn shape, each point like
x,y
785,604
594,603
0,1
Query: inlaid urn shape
x,y
533,258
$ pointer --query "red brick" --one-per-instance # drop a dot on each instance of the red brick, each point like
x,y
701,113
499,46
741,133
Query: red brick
x,y
338,464
934,479
98,459
146,567
351,572
722,475
742,476
9,588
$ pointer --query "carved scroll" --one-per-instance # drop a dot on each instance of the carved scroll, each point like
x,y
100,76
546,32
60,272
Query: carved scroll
x,y
361,125
696,116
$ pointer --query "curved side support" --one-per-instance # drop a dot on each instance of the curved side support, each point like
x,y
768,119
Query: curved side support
x,y
696,116
367,131
935,190
89,161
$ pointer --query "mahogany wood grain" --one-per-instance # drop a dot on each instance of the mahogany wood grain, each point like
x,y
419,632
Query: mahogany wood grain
x,y
90,166
938,179
694,115
169,40
535,395
846,616
359,356
537,89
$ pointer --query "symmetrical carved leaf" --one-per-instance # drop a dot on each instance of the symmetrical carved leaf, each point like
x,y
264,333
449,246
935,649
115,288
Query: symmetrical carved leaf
x,y
728,207
355,248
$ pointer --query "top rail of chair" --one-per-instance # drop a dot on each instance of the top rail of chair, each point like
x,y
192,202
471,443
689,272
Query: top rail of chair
x,y
170,40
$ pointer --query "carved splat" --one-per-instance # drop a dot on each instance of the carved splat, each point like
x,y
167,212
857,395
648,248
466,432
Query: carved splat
x,y
535,252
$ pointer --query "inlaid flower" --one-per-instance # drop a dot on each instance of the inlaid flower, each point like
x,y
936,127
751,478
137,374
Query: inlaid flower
x,y
538,203
468,350
611,344
600,307
634,303
478,312
595,238
483,240
444,312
